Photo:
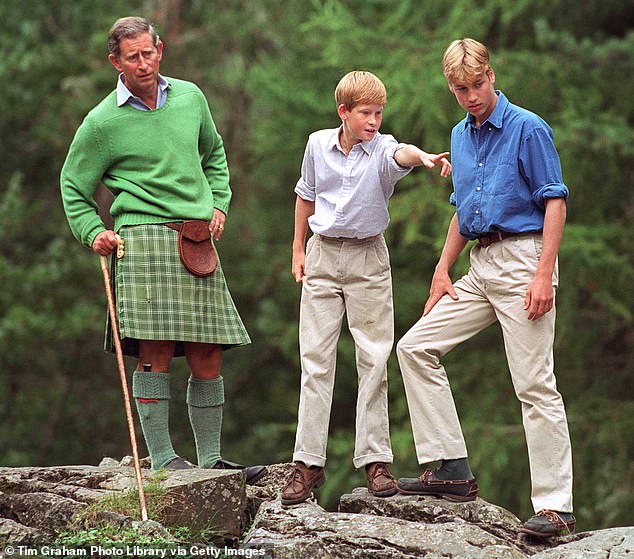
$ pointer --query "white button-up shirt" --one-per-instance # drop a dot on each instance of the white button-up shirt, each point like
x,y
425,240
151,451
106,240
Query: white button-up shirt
x,y
124,95
351,193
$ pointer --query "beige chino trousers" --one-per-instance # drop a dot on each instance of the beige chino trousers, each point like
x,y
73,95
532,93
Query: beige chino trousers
x,y
353,277
493,290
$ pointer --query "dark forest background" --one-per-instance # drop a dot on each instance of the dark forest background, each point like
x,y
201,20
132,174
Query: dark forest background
x,y
269,69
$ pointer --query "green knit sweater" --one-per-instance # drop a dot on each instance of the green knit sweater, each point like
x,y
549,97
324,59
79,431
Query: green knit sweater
x,y
163,165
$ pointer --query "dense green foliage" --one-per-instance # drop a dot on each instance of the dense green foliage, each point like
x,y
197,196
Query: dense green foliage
x,y
269,69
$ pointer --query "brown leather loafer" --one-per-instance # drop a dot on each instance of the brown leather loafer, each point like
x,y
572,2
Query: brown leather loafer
x,y
549,523
381,482
458,490
302,483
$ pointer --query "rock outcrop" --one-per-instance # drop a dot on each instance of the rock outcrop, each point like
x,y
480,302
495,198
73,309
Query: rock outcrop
x,y
307,530
429,510
267,488
612,543
407,527
37,503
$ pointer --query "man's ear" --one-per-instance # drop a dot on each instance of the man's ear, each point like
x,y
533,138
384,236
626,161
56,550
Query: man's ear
x,y
491,75
115,62
159,50
342,111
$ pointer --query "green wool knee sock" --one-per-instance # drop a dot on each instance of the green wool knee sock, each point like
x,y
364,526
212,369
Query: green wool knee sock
x,y
152,392
204,400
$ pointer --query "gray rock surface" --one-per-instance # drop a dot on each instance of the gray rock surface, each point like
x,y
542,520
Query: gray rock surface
x,y
198,499
431,510
308,531
268,487
407,527
82,483
12,532
611,543
45,511
38,502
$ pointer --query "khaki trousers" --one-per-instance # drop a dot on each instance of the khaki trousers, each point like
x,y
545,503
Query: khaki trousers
x,y
493,290
353,277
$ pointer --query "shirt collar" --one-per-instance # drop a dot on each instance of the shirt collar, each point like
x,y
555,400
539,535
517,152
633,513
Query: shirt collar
x,y
336,144
124,94
496,118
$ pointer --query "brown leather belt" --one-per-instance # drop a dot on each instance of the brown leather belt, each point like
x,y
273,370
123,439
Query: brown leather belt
x,y
490,238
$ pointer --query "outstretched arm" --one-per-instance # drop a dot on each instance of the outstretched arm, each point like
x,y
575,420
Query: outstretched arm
x,y
412,156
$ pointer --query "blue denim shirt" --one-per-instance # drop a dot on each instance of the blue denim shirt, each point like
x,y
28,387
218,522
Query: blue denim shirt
x,y
503,171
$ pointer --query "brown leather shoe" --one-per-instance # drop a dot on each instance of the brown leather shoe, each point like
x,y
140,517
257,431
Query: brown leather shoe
x,y
302,483
549,523
457,490
381,482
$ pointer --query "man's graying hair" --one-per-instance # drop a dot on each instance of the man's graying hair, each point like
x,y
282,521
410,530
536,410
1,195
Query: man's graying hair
x,y
127,27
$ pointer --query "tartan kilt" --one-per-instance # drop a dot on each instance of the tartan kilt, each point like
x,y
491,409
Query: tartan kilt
x,y
158,299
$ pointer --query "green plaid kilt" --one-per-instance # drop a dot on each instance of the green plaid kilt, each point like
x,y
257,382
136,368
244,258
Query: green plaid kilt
x,y
158,299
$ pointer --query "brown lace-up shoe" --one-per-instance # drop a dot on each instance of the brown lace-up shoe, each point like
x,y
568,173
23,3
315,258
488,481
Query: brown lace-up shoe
x,y
458,490
381,482
549,523
302,483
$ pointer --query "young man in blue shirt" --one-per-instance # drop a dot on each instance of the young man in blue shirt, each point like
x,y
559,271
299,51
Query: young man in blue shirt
x,y
509,198
348,176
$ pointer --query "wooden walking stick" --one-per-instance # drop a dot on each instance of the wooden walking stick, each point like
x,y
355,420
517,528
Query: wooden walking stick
x,y
122,376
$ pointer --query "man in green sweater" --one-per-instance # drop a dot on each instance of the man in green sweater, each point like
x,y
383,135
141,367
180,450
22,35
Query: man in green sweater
x,y
153,143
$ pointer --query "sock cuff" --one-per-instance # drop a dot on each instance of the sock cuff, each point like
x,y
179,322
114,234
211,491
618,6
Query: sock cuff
x,y
203,393
151,385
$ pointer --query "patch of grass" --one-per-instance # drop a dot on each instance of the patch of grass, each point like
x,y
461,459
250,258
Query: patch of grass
x,y
206,536
90,529
109,536
127,503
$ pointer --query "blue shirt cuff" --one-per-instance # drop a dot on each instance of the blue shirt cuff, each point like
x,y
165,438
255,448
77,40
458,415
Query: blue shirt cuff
x,y
550,191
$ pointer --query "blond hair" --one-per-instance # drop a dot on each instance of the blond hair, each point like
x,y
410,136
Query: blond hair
x,y
360,87
464,60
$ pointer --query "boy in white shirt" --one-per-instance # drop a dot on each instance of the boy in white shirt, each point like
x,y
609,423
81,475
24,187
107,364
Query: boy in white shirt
x,y
348,176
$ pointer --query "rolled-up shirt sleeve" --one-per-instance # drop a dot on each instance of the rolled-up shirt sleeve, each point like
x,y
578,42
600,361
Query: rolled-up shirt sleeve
x,y
392,169
540,166
305,187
